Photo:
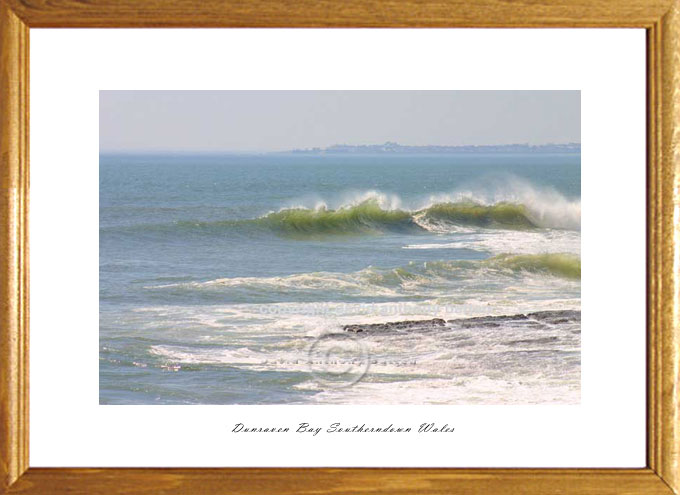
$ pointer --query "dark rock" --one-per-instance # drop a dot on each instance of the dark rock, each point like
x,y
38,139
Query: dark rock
x,y
396,325
531,320
487,321
556,317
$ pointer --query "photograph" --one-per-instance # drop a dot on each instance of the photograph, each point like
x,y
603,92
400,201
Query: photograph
x,y
340,247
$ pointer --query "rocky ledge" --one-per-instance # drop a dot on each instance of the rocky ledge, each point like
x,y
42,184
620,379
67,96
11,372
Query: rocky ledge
x,y
530,319
396,325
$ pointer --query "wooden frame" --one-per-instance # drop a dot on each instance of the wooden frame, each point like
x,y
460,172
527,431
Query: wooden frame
x,y
661,19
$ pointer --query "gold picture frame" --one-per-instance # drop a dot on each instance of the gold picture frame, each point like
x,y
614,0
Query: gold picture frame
x,y
660,18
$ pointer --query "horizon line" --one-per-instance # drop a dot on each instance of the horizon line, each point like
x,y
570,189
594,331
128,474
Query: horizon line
x,y
312,149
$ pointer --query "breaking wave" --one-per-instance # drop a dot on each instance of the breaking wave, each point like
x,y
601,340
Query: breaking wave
x,y
382,281
367,216
371,216
515,205
520,207
557,264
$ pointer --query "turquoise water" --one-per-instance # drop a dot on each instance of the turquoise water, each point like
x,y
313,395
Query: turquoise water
x,y
219,275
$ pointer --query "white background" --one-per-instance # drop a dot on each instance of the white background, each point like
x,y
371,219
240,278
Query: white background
x,y
69,67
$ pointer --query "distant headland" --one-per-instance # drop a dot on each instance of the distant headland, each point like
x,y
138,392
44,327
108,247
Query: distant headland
x,y
390,147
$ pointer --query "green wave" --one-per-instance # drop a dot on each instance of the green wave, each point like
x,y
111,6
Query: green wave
x,y
442,272
411,277
561,265
369,216
362,218
557,264
503,215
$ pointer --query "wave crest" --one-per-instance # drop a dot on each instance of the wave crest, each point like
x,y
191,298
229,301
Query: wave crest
x,y
383,281
503,215
371,217
367,216
516,207
557,264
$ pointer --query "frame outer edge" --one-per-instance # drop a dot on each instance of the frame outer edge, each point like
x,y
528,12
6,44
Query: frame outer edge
x,y
14,42
669,401
13,247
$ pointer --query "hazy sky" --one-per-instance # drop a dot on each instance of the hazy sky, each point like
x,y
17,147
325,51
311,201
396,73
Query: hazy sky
x,y
283,120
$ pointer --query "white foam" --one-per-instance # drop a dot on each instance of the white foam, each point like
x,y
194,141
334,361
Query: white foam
x,y
511,242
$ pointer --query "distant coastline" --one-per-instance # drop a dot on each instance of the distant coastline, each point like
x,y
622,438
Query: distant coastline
x,y
366,149
391,147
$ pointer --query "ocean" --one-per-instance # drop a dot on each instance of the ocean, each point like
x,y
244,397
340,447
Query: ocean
x,y
271,279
